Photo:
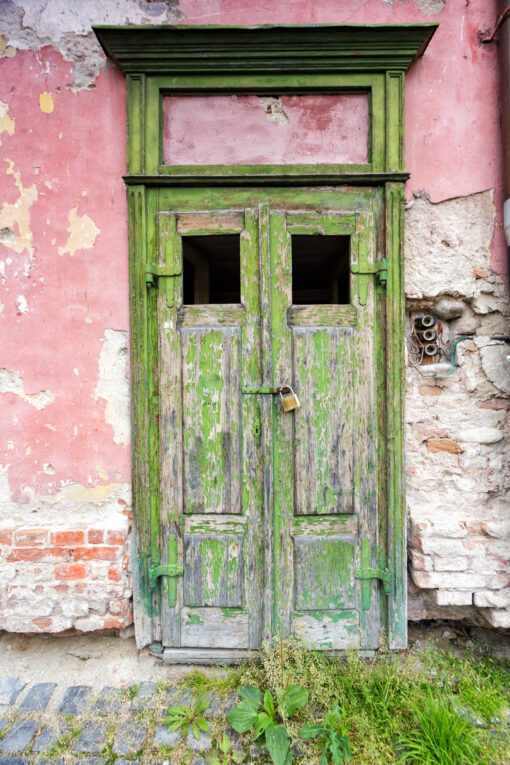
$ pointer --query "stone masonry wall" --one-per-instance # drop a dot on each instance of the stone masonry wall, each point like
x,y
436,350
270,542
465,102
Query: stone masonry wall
x,y
65,430
457,426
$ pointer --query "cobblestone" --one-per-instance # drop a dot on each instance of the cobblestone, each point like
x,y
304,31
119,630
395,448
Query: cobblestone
x,y
92,739
144,696
38,697
10,688
19,737
75,700
92,728
130,738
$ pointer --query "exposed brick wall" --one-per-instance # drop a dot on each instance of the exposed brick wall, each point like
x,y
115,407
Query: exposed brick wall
x,y
58,579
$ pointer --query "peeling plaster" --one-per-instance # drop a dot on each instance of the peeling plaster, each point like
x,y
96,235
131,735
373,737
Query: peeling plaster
x,y
32,24
445,242
113,384
46,103
16,216
12,382
82,233
274,109
6,122
70,505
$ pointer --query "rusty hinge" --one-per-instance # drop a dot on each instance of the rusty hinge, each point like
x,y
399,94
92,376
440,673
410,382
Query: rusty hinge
x,y
152,271
376,573
366,573
170,571
380,268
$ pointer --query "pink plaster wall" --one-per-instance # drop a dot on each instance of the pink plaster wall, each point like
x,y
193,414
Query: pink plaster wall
x,y
243,130
74,157
70,158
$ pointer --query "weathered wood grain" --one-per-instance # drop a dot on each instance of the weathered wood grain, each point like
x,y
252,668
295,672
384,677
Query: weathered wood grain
x,y
211,419
323,525
209,223
322,316
327,630
214,628
213,571
324,573
211,316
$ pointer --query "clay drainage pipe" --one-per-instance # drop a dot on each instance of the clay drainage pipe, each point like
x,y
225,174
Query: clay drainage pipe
x,y
503,25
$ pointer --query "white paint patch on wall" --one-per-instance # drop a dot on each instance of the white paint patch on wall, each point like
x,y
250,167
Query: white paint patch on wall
x,y
113,384
12,382
444,242
83,233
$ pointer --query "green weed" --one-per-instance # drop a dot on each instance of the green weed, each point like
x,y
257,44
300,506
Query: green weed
x,y
440,736
198,681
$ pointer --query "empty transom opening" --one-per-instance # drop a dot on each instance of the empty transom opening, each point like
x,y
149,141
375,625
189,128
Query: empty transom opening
x,y
320,270
211,269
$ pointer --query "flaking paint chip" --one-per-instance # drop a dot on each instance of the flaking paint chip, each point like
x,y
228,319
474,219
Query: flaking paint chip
x,y
46,103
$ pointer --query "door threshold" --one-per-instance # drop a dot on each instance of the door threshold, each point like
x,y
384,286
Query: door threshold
x,y
211,656
207,656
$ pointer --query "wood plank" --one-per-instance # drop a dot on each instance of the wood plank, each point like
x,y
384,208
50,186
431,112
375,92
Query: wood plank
x,y
324,573
328,630
252,474
324,363
215,524
283,422
323,525
211,420
207,656
214,628
214,570
170,420
322,316
211,315
323,222
210,222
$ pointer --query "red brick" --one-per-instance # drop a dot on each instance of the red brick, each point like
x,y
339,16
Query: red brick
x,y
118,607
115,537
73,571
125,562
96,553
67,538
58,552
435,445
114,574
42,624
30,537
95,536
5,537
496,403
61,588
27,554
111,623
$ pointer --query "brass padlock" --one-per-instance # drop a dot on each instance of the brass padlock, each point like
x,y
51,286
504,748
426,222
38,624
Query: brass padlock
x,y
288,398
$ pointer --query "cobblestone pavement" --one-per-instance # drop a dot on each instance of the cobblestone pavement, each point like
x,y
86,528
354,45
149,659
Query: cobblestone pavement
x,y
46,723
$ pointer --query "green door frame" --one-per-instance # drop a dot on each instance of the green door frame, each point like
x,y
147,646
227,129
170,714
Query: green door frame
x,y
261,60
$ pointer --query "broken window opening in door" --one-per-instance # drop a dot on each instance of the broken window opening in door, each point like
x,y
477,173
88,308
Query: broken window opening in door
x,y
320,270
211,269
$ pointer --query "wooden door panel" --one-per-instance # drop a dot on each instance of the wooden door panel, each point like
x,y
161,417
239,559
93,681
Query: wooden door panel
x,y
211,419
214,571
323,362
324,573
328,630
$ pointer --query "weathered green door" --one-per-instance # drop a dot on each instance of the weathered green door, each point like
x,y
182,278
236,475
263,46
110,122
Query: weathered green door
x,y
268,522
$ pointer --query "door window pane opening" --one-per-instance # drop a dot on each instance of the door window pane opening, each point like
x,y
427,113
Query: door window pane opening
x,y
211,269
320,270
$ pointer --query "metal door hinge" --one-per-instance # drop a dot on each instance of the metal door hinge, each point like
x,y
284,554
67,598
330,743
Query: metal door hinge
x,y
380,268
170,571
366,573
376,573
152,271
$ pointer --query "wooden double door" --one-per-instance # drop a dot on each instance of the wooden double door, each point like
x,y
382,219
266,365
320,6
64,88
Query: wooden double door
x,y
266,522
